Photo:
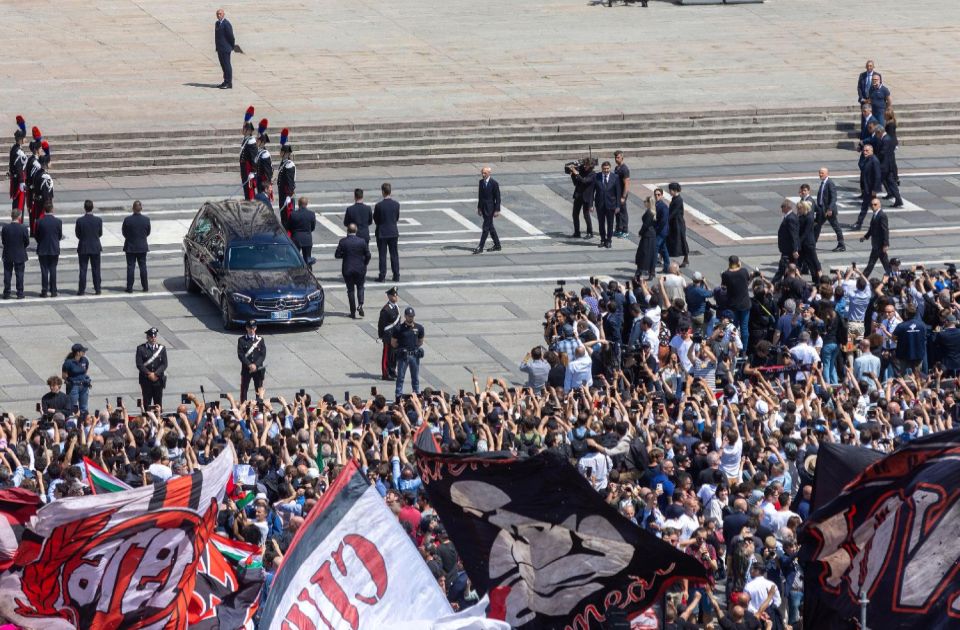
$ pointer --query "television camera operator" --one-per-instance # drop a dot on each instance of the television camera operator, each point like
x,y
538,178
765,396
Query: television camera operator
x,y
584,188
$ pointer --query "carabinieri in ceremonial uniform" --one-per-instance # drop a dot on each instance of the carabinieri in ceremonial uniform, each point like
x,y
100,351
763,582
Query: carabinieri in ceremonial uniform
x,y
252,352
264,164
286,180
18,169
34,172
389,318
152,365
248,155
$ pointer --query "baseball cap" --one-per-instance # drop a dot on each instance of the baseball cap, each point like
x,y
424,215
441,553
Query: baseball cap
x,y
697,276
78,347
409,312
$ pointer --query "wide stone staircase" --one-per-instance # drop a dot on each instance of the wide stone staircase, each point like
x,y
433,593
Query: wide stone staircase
x,y
498,140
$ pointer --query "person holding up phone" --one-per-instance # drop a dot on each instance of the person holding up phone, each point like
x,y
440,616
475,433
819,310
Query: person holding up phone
x,y
151,359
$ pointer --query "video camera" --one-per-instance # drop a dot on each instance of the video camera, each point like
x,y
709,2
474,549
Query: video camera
x,y
583,164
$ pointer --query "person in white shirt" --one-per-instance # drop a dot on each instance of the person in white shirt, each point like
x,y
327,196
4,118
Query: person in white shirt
x,y
681,343
805,355
759,589
672,284
595,466
731,450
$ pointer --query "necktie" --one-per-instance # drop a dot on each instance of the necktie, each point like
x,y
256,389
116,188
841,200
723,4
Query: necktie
x,y
605,177
820,193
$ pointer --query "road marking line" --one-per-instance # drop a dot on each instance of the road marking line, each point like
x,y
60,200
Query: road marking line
x,y
813,177
468,225
519,221
330,225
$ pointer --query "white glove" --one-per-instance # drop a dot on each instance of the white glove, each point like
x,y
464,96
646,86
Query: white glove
x,y
250,176
286,202
23,188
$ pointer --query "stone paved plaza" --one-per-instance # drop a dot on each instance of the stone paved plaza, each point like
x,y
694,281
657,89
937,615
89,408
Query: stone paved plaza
x,y
128,65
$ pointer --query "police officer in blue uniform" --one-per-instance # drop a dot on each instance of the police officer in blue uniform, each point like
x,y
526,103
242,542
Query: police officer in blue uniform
x,y
407,340
75,371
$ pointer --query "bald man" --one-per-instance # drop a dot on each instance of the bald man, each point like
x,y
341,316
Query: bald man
x,y
224,41
488,207
827,209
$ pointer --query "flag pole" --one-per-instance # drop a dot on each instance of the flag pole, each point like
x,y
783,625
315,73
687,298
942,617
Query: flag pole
x,y
863,609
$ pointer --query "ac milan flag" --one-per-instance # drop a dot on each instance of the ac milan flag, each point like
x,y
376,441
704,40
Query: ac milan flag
x,y
118,560
892,534
227,593
16,508
537,527
351,566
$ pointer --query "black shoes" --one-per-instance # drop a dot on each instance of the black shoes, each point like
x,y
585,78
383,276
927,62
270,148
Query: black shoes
x,y
477,250
839,248
576,235
360,310
225,86
588,235
898,204
495,248
379,278
128,290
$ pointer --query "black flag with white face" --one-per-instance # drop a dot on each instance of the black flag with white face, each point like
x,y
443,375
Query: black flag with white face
x,y
536,527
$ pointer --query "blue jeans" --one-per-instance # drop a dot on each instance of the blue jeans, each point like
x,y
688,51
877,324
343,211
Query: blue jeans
x,y
79,397
662,250
828,356
741,319
794,603
407,361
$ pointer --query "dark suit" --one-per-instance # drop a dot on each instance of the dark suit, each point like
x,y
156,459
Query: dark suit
x,y
677,240
788,242
223,38
808,246
488,206
135,230
302,223
151,358
89,230
886,145
251,350
827,203
864,83
583,195
879,235
15,238
871,182
607,202
386,214
361,215
49,235
355,254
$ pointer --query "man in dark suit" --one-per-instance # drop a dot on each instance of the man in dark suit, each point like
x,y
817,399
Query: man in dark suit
x,y
386,214
135,230
886,145
302,223
583,195
788,238
864,82
151,361
879,235
360,215
871,181
662,227
252,352
223,38
488,207
49,235
607,193
355,254
264,193
827,209
15,238
89,230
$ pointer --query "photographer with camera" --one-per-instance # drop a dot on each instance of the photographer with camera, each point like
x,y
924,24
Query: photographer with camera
x,y
74,369
407,339
584,182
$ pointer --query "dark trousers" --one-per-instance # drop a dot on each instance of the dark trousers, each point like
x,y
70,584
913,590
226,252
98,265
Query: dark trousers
x,y
877,254
865,206
605,221
809,259
94,261
306,251
489,229
246,376
48,273
225,65
890,184
782,268
354,291
9,268
623,221
151,392
383,244
388,362
139,260
832,220
578,204
664,251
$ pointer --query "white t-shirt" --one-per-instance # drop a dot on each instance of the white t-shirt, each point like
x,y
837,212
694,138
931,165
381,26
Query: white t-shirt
x,y
758,588
159,472
730,455
674,285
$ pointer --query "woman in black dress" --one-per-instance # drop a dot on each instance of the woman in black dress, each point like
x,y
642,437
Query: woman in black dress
x,y
677,241
646,258
890,126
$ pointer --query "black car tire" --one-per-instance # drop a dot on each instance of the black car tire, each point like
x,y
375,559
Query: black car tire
x,y
192,286
226,318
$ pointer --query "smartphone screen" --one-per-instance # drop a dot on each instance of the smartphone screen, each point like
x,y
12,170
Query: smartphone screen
x,y
38,408
140,403
223,396
184,400
373,391
119,401
274,400
346,396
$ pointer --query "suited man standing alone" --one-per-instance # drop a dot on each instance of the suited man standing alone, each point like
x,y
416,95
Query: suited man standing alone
x,y
871,181
864,83
302,223
879,235
360,215
788,239
224,41
135,230
49,235
607,193
355,254
386,214
15,237
827,209
488,207
89,230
